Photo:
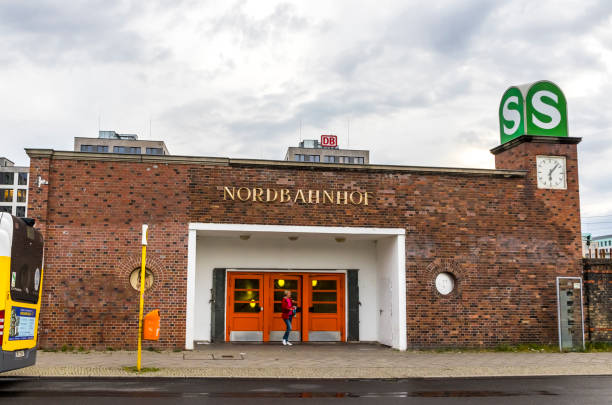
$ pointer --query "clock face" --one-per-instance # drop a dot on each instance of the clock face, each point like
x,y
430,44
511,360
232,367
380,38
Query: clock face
x,y
551,172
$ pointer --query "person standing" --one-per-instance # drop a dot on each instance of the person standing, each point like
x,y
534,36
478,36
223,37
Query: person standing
x,y
288,310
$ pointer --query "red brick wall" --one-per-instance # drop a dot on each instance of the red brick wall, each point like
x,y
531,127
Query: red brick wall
x,y
504,240
598,299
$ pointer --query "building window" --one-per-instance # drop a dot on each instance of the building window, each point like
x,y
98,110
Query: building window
x,y
102,149
314,158
20,212
7,178
359,160
22,179
155,151
6,208
299,158
87,148
22,195
126,149
345,159
6,195
331,159
135,278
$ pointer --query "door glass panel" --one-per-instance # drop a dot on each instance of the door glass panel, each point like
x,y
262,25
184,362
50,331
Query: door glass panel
x,y
278,308
324,284
245,284
246,307
246,295
286,284
324,308
279,294
324,296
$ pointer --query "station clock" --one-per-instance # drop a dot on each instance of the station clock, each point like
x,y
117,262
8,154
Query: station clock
x,y
551,172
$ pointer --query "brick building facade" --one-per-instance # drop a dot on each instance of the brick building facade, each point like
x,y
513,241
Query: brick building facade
x,y
598,294
503,240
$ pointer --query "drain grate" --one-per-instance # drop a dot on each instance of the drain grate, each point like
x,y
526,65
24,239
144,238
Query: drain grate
x,y
226,356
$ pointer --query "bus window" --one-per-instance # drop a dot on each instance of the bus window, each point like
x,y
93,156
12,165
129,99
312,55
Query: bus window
x,y
26,262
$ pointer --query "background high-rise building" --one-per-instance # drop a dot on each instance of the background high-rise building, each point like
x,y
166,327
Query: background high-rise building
x,y
13,188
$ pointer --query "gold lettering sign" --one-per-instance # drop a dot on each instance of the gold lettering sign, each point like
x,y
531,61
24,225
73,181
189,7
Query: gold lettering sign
x,y
284,195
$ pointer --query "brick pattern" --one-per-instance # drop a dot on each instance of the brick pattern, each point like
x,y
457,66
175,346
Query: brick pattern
x,y
504,240
598,299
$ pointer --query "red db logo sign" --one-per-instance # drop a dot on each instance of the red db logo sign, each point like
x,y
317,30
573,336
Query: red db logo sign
x,y
329,140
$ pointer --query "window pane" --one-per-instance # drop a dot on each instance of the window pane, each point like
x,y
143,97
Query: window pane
x,y
5,208
323,308
6,178
102,149
245,284
278,308
21,195
22,179
279,294
287,285
324,296
246,295
325,285
246,307
20,212
6,195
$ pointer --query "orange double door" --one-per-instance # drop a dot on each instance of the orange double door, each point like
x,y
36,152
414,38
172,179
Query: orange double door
x,y
254,306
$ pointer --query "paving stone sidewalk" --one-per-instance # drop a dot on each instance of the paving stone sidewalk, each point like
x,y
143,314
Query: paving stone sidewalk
x,y
317,361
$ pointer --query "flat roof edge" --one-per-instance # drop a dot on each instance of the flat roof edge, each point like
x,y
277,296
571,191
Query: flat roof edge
x,y
535,139
374,167
117,157
120,157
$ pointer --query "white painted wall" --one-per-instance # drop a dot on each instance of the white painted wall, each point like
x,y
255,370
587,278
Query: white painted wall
x,y
384,302
277,252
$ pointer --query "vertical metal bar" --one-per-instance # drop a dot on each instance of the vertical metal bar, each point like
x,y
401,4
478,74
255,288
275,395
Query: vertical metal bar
x,y
142,288
559,315
582,313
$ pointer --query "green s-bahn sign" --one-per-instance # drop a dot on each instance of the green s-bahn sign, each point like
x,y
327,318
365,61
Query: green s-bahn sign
x,y
536,108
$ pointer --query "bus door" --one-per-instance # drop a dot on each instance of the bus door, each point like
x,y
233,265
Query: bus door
x,y
21,267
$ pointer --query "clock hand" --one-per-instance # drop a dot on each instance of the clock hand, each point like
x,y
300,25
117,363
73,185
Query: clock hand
x,y
553,169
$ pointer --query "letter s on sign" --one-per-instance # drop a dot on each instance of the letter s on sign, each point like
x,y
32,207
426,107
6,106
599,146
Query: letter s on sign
x,y
511,115
540,106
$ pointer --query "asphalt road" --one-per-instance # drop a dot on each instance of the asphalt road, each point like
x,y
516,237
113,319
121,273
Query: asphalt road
x,y
502,390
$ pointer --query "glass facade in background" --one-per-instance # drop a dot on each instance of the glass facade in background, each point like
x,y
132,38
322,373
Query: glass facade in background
x,y
7,178
126,149
6,195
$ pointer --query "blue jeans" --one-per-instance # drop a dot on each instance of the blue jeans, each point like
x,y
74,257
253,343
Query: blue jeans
x,y
288,323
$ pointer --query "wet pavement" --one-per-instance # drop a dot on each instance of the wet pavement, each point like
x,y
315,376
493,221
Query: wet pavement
x,y
317,361
556,390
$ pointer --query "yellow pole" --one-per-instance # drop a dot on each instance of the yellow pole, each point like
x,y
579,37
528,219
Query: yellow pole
x,y
142,288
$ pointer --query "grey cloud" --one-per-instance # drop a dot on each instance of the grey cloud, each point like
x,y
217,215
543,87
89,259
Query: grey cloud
x,y
254,31
49,32
444,29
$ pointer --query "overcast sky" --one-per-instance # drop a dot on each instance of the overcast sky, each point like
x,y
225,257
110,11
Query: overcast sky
x,y
417,83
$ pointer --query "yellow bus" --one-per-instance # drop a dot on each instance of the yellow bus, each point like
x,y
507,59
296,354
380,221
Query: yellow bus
x,y
21,268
